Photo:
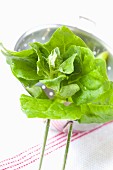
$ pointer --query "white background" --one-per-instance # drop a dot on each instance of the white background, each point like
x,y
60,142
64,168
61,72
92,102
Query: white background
x,y
16,17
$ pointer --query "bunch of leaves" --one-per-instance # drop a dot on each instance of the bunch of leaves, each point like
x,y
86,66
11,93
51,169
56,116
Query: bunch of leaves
x,y
66,65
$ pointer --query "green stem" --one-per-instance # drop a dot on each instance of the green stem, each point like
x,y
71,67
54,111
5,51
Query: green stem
x,y
44,143
67,146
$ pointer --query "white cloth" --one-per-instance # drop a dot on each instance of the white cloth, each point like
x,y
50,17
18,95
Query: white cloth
x,y
92,150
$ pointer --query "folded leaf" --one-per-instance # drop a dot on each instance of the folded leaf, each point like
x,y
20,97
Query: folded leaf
x,y
42,68
74,50
24,69
67,67
23,65
54,59
42,54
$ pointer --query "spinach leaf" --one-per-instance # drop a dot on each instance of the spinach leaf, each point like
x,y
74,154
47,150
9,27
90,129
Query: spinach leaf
x,y
22,53
92,80
42,67
23,65
24,69
51,109
105,98
63,37
94,113
68,90
39,48
101,109
30,104
36,91
77,63
87,95
67,67
42,53
54,59
26,83
54,83
73,49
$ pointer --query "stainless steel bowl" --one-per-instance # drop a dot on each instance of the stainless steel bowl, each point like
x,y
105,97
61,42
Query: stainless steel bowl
x,y
43,33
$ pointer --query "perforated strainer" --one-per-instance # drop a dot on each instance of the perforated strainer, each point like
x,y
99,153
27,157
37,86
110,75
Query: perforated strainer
x,y
43,33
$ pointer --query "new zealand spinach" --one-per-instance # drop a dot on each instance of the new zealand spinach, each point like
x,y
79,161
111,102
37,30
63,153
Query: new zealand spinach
x,y
66,65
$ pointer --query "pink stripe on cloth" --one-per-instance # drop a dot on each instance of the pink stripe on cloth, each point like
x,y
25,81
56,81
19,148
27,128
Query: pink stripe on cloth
x,y
36,155
81,134
52,138
30,151
33,154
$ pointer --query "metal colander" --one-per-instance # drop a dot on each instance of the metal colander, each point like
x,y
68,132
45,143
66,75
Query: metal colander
x,y
43,33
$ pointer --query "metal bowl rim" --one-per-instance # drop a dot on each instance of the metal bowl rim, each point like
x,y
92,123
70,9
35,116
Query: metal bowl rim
x,y
45,26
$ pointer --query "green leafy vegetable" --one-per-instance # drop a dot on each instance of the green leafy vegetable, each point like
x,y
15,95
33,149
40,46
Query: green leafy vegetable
x,y
88,113
54,59
66,65
63,38
54,83
44,108
69,90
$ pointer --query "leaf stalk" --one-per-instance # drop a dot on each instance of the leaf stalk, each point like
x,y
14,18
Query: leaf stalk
x,y
44,143
67,145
